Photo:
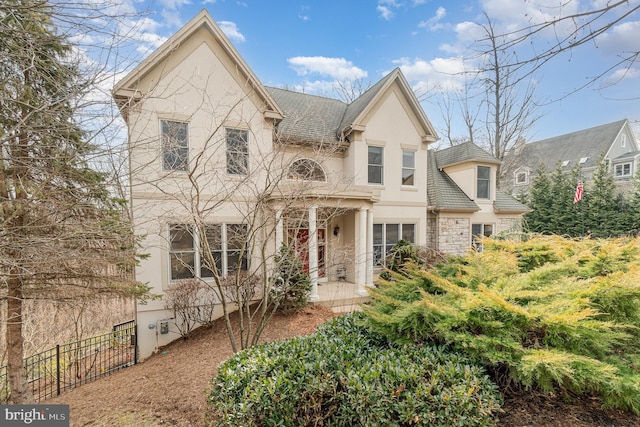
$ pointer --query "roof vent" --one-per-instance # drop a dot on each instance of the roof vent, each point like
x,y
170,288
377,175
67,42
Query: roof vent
x,y
583,160
565,163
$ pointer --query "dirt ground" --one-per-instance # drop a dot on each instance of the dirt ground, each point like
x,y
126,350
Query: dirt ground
x,y
169,388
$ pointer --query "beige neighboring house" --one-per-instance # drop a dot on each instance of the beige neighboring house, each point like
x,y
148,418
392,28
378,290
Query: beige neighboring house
x,y
208,142
464,201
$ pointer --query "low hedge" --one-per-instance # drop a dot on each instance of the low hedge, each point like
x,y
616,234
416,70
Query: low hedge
x,y
343,375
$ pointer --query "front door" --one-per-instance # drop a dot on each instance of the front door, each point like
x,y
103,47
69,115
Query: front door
x,y
299,238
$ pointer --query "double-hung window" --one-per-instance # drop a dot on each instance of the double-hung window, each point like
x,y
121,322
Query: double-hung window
x,y
175,145
387,235
375,170
237,151
194,254
408,167
483,187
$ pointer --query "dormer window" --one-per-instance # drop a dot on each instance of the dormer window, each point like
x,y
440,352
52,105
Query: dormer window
x,y
522,178
306,169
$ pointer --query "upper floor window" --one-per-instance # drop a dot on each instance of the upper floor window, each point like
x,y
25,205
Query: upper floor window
x,y
408,167
237,152
225,243
623,141
375,163
623,170
175,145
483,190
306,169
522,178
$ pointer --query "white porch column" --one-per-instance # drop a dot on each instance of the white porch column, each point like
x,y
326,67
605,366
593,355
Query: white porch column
x,y
279,230
369,266
313,252
361,254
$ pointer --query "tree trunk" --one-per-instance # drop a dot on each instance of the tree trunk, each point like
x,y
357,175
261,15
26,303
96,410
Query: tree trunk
x,y
20,392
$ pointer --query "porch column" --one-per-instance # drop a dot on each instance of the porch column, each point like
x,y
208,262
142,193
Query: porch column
x,y
313,252
369,266
279,230
361,254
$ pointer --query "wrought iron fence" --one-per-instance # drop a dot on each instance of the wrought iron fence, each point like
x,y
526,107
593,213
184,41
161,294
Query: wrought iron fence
x,y
70,365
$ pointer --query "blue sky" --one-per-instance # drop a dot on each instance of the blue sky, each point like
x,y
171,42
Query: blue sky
x,y
309,45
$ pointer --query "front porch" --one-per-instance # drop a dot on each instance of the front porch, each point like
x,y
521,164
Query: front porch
x,y
341,297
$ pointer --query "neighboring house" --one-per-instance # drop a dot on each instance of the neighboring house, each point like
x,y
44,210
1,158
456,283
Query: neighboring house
x,y
615,141
464,202
208,143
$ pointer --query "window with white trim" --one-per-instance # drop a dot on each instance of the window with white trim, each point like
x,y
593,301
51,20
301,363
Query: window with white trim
x,y
227,244
387,235
623,141
237,151
175,145
375,158
408,167
622,170
522,178
483,188
477,232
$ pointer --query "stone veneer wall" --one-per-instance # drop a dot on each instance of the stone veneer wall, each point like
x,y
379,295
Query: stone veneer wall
x,y
454,235
432,230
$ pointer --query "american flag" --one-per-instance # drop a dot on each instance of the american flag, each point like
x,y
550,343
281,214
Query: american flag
x,y
579,191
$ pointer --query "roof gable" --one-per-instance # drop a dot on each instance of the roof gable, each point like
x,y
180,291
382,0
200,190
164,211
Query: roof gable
x,y
127,90
356,112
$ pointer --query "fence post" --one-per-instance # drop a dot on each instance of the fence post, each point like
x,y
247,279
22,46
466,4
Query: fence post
x,y
135,343
58,368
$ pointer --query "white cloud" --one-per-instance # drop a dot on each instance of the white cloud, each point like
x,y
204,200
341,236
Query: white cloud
x,y
621,38
385,12
335,68
443,74
230,29
434,23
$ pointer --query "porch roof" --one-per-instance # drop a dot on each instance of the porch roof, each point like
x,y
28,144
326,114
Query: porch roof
x,y
326,194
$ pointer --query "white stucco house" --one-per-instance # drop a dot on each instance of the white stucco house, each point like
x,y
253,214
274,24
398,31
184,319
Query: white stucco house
x,y
208,143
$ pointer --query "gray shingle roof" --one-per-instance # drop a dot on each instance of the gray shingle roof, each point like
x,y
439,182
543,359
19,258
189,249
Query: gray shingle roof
x,y
308,118
591,143
505,203
462,153
444,194
442,191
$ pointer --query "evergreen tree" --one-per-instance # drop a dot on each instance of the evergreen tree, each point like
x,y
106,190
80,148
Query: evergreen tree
x,y
539,200
601,212
62,235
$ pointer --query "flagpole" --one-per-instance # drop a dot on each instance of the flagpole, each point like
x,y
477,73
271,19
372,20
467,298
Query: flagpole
x,y
578,199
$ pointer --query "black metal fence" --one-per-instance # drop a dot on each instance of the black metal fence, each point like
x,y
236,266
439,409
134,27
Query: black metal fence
x,y
67,366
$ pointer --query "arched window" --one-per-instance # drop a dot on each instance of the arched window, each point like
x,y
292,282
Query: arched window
x,y
306,169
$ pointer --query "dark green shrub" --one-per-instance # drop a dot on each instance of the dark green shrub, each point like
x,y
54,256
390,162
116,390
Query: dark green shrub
x,y
291,284
346,376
